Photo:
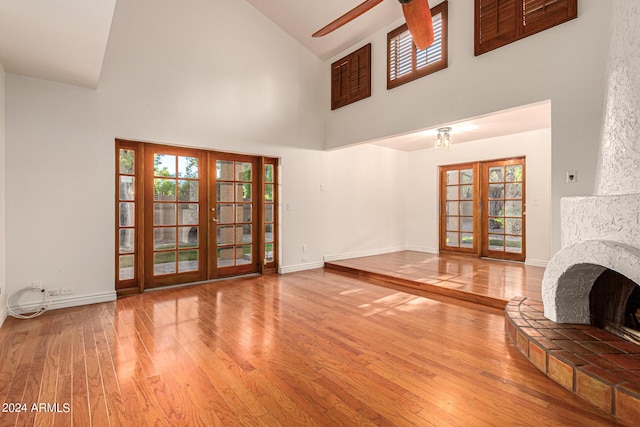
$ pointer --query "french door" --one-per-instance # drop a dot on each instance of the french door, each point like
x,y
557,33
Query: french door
x,y
459,217
175,208
503,213
482,209
233,214
188,215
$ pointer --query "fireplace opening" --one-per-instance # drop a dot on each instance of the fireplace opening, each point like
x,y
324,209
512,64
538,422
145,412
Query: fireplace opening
x,y
614,303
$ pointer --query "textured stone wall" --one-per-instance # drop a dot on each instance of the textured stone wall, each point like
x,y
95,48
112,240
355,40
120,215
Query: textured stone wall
x,y
619,169
603,231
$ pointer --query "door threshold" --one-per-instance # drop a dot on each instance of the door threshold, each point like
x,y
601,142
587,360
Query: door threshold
x,y
202,282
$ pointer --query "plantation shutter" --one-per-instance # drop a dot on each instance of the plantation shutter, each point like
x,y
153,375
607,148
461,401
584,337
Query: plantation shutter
x,y
433,53
401,55
496,24
500,22
539,15
406,62
351,78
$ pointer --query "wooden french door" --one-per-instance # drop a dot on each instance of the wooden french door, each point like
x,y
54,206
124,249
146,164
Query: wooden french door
x,y
233,232
482,209
175,216
459,219
187,215
503,213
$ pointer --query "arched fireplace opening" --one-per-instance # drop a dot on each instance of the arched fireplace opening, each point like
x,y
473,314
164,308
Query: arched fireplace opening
x,y
614,305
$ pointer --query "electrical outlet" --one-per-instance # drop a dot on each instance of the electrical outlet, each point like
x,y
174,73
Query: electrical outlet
x,y
54,292
66,291
37,284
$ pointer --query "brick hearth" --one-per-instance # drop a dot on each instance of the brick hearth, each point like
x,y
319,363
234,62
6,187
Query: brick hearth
x,y
600,367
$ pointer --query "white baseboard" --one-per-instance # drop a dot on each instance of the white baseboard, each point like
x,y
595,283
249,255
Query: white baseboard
x,y
58,302
372,252
3,315
300,267
536,263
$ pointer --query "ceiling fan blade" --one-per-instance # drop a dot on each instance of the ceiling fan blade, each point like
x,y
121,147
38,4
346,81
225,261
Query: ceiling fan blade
x,y
347,17
418,16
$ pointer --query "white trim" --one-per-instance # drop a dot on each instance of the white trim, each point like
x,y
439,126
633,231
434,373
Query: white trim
x,y
536,263
3,315
301,267
350,255
74,301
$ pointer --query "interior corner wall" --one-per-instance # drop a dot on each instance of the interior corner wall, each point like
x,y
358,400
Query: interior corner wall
x,y
424,200
352,203
565,64
168,78
3,273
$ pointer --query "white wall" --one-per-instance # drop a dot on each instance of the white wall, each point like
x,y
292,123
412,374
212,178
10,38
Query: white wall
x,y
3,275
172,74
423,200
565,64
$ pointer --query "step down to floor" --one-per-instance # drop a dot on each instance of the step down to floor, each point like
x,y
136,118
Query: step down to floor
x,y
425,287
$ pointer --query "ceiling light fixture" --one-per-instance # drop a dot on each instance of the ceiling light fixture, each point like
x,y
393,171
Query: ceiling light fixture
x,y
443,140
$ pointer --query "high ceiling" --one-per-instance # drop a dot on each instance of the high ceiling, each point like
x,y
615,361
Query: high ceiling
x,y
58,40
302,18
65,41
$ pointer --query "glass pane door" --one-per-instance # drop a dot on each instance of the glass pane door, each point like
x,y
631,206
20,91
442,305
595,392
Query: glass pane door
x,y
188,215
176,196
234,216
458,217
504,213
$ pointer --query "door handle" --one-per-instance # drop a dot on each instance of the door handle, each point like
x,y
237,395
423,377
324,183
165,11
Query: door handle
x,y
214,220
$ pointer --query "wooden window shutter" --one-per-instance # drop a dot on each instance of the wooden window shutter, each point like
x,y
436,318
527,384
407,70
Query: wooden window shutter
x,y
496,24
500,22
539,15
405,62
351,78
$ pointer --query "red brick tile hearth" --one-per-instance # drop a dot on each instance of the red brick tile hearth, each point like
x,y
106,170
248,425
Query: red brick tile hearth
x,y
600,367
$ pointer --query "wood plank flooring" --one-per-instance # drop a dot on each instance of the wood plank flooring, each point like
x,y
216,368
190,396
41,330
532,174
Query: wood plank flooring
x,y
312,348
489,282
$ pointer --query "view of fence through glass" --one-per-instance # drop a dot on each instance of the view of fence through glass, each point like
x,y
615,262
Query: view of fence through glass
x,y
234,207
505,208
126,213
459,209
175,214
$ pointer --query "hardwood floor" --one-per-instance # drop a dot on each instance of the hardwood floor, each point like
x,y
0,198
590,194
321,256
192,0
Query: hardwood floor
x,y
312,348
483,281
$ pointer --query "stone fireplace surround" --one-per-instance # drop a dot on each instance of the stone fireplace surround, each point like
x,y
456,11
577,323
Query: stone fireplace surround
x,y
598,232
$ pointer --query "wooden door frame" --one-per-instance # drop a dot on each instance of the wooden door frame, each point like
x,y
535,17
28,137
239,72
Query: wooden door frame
x,y
485,251
475,250
144,216
152,280
257,222
481,209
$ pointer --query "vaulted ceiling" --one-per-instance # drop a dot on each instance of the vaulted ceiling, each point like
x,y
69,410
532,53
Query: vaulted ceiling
x,y
65,41
302,18
58,40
